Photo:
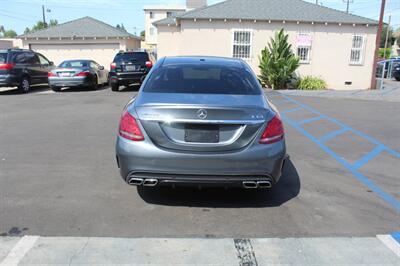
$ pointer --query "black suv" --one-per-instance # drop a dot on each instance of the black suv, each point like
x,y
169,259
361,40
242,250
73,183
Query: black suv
x,y
23,68
129,67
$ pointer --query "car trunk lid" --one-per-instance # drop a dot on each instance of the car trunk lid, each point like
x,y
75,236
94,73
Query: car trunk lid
x,y
201,122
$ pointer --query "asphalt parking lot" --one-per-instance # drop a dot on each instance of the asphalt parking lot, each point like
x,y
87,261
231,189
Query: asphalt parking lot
x,y
59,177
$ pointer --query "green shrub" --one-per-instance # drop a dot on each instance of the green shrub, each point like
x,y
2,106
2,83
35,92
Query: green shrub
x,y
311,83
382,52
278,63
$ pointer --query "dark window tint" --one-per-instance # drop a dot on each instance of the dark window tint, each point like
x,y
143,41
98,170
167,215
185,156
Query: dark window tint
x,y
131,57
19,58
32,58
208,79
3,58
76,63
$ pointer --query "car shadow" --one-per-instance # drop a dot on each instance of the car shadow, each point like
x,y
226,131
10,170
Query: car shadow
x,y
286,189
83,89
130,88
15,91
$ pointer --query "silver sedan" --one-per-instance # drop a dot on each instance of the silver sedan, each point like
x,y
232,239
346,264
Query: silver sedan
x,y
77,73
201,121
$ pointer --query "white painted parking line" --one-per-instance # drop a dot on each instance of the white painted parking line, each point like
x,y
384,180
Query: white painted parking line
x,y
391,243
19,250
200,251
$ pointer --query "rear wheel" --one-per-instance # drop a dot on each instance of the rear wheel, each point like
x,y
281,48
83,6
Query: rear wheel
x,y
114,86
24,85
95,83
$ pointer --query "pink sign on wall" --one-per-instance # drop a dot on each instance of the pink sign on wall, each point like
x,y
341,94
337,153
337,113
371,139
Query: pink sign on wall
x,y
304,40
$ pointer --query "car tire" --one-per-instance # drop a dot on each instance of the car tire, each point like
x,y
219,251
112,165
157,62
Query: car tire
x,y
55,89
397,78
95,83
24,85
114,86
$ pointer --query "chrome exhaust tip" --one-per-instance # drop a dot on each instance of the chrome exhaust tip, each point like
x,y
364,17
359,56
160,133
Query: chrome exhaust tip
x,y
264,184
135,181
249,184
150,182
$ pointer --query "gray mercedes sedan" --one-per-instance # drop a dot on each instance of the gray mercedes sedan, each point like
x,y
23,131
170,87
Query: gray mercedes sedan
x,y
201,121
77,73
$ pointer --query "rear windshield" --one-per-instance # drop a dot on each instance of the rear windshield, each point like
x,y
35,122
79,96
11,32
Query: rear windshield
x,y
77,63
3,58
131,57
207,79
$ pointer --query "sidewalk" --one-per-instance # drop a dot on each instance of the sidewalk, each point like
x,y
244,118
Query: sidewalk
x,y
391,93
33,250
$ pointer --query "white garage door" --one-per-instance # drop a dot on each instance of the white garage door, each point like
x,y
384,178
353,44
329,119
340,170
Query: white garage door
x,y
102,53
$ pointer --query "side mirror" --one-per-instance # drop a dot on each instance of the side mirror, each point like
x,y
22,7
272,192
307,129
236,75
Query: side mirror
x,y
51,63
101,67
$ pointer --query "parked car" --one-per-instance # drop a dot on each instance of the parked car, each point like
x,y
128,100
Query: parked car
x,y
129,67
201,121
23,68
396,70
77,73
391,68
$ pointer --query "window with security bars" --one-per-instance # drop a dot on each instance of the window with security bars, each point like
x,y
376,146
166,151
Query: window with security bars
x,y
242,44
356,54
303,52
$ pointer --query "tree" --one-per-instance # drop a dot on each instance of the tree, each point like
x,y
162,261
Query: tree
x,y
143,34
53,22
118,26
391,38
278,62
9,34
27,30
123,27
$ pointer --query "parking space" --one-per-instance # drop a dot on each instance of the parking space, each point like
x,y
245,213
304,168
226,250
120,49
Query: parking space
x,y
59,178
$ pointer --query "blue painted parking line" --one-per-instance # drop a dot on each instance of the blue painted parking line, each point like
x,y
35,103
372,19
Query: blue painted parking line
x,y
352,168
309,120
333,134
396,236
365,159
291,110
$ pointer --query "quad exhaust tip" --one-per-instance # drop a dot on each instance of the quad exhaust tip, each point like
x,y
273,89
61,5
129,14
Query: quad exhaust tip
x,y
257,184
149,182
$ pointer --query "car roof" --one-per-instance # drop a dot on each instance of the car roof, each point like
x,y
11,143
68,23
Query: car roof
x,y
209,60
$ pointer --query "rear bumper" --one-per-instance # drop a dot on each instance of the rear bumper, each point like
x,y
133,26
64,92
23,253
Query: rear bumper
x,y
255,162
126,77
70,82
9,81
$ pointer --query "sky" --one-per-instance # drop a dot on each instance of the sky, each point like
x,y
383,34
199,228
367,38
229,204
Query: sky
x,y
19,14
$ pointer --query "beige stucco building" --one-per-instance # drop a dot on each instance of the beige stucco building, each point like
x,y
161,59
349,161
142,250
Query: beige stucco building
x,y
85,38
331,44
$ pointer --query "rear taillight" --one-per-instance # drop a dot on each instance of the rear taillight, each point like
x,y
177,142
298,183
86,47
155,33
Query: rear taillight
x,y
51,74
128,127
6,66
113,66
149,64
273,132
83,74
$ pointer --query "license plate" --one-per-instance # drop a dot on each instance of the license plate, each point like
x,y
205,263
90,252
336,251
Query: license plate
x,y
131,68
202,133
65,74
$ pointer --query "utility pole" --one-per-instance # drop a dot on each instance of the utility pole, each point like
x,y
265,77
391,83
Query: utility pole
x,y
348,4
377,43
44,17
